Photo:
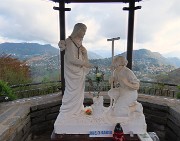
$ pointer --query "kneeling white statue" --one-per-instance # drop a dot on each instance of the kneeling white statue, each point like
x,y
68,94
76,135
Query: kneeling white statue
x,y
124,107
124,94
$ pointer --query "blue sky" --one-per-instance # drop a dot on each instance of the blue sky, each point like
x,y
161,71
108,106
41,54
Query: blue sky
x,y
157,24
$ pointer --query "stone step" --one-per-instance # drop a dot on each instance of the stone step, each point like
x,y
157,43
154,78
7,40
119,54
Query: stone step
x,y
144,137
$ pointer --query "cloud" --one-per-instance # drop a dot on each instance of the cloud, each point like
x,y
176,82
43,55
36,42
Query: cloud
x,y
158,31
102,23
29,20
174,9
167,38
151,18
156,24
110,18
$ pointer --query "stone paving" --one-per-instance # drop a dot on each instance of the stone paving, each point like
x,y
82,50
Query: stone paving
x,y
14,112
160,100
44,137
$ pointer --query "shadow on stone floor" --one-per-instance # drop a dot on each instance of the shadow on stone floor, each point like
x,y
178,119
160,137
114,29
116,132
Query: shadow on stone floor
x,y
44,137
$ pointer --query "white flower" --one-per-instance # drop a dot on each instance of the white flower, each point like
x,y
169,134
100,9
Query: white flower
x,y
98,75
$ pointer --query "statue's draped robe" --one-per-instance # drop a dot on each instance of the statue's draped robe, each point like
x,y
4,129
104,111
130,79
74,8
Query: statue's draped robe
x,y
127,95
74,73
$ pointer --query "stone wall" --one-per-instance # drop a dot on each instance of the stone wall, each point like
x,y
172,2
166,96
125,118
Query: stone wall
x,y
173,124
43,117
156,118
162,116
24,119
15,122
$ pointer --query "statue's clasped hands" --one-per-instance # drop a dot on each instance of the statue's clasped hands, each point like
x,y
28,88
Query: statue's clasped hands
x,y
83,50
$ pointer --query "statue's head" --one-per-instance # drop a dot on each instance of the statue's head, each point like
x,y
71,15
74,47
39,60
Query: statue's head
x,y
119,61
79,30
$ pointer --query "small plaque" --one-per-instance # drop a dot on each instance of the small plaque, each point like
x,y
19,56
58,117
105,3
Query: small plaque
x,y
101,133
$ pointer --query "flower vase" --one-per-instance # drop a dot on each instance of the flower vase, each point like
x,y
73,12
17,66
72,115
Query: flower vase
x,y
97,106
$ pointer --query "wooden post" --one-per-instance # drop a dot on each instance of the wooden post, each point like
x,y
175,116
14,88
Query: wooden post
x,y
62,10
131,10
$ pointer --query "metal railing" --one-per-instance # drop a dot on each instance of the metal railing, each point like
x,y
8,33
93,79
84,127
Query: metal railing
x,y
35,89
158,88
146,87
42,88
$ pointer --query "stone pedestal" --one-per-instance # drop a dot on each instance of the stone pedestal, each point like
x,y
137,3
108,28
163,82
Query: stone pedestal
x,y
85,124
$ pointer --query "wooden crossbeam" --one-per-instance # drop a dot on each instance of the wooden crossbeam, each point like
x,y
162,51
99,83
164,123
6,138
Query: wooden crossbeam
x,y
94,1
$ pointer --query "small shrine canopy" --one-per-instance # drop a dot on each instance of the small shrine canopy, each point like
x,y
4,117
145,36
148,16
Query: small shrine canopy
x,y
94,1
130,9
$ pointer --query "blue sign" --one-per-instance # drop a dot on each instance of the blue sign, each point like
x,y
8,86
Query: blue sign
x,y
99,133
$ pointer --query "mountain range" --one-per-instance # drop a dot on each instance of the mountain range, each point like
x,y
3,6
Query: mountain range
x,y
25,51
45,58
143,56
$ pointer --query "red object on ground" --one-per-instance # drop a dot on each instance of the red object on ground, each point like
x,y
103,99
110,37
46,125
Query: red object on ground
x,y
119,137
118,133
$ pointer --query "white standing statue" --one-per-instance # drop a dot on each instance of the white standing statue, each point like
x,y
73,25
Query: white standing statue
x,y
76,66
124,94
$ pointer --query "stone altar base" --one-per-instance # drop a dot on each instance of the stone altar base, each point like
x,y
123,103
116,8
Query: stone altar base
x,y
85,137
100,125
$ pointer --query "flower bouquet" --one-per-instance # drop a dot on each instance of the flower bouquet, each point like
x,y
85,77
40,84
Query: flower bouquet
x,y
95,82
98,77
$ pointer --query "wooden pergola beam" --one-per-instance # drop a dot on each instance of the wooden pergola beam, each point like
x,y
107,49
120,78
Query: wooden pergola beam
x,y
94,1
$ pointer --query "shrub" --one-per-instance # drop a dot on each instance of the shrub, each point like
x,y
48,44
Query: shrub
x,y
6,92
